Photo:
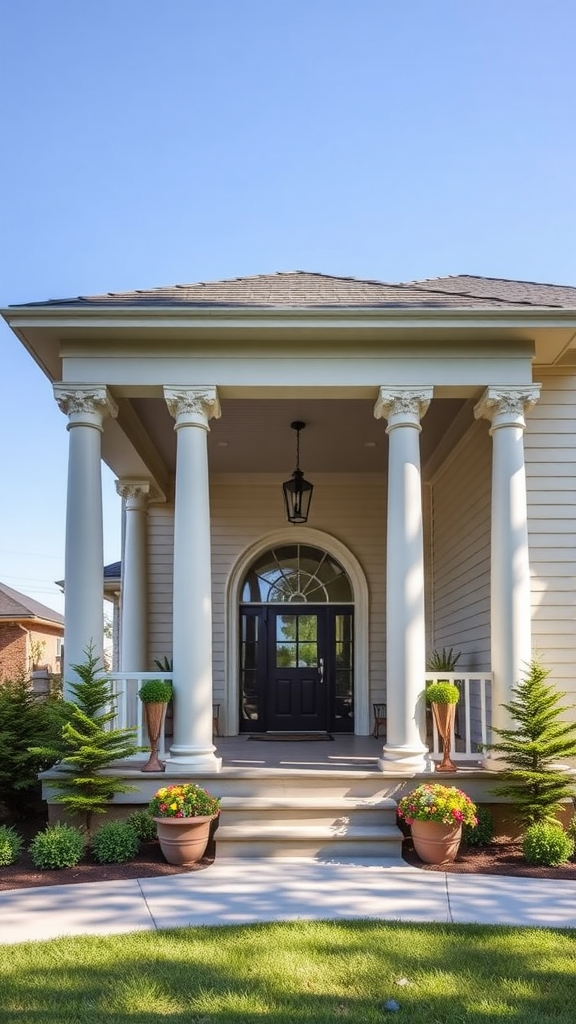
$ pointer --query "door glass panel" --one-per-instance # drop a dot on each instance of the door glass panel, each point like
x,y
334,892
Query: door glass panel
x,y
286,655
250,654
344,661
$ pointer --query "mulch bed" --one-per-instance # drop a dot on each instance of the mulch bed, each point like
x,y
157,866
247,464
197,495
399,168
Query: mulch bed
x,y
501,857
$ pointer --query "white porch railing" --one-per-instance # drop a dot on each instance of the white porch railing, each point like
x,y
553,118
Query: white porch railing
x,y
129,707
473,714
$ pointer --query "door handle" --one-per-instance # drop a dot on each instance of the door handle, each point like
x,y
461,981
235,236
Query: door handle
x,y
321,669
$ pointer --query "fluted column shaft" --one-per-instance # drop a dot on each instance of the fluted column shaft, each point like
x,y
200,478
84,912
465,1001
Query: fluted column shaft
x,y
404,750
86,406
510,613
192,408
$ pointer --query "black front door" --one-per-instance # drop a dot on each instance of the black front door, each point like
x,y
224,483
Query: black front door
x,y
296,668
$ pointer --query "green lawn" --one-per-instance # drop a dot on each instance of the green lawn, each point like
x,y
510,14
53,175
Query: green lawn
x,y
302,973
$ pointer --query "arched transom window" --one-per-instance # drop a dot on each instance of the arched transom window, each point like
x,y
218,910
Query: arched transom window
x,y
296,573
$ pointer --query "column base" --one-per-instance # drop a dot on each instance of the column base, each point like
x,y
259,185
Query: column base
x,y
405,760
193,759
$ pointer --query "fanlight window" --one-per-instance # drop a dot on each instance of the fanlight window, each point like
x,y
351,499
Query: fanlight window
x,y
296,573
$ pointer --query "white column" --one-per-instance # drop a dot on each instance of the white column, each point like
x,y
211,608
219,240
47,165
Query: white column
x,y
405,750
86,406
134,598
510,613
192,408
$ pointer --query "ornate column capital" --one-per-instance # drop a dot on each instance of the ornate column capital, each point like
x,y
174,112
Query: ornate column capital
x,y
85,404
193,405
505,406
403,405
135,492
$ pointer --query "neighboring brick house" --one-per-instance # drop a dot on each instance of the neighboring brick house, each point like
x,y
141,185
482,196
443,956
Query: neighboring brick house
x,y
30,634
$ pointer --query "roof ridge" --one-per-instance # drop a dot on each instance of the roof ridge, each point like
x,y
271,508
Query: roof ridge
x,y
482,277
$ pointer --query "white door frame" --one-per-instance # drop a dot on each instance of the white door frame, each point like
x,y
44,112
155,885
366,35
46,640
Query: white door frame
x,y
334,547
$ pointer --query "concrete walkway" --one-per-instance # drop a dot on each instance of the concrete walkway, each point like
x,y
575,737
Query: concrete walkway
x,y
284,889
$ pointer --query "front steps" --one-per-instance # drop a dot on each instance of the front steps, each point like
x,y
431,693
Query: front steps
x,y
323,826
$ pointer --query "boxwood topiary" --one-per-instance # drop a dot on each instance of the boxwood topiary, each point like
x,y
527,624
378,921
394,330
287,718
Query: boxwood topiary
x,y
10,845
114,842
143,824
58,846
482,833
155,691
547,844
442,693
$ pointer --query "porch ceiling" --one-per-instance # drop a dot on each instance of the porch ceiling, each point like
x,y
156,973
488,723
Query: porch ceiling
x,y
254,436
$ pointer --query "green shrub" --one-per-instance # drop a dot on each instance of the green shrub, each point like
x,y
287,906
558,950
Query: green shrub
x,y
143,824
26,720
442,693
571,828
547,844
481,834
114,842
58,846
155,691
10,845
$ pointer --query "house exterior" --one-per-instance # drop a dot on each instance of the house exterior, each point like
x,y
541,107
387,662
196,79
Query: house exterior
x,y
31,635
440,438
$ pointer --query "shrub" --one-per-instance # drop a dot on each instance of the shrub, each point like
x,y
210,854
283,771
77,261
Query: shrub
x,y
442,693
10,845
547,844
114,842
26,719
539,737
185,801
143,824
483,833
571,828
155,691
58,846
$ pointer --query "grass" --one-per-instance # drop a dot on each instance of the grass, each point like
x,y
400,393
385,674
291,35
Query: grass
x,y
296,973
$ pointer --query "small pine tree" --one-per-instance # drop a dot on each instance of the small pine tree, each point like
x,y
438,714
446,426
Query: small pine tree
x,y
89,744
25,719
531,749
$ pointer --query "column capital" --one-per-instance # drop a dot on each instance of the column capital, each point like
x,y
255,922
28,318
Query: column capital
x,y
506,405
403,405
135,492
85,404
193,405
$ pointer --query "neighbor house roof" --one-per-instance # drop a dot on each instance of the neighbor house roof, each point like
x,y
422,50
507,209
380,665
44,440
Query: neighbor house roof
x,y
18,607
302,289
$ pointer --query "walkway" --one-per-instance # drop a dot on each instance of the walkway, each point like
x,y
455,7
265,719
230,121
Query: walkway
x,y
246,891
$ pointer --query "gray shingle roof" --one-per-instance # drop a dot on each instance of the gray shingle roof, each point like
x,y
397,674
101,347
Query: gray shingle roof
x,y
14,605
302,289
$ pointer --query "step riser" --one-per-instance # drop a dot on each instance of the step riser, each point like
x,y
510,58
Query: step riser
x,y
383,849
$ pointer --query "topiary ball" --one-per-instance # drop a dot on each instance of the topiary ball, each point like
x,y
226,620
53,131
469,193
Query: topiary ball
x,y
114,843
547,844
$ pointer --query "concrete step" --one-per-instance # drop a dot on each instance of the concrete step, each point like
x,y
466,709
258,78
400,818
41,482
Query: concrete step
x,y
252,840
318,810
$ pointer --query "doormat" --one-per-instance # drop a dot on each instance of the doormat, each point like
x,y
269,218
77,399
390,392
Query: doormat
x,y
291,737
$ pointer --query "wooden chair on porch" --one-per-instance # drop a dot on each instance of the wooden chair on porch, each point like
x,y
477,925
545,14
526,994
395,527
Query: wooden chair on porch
x,y
379,719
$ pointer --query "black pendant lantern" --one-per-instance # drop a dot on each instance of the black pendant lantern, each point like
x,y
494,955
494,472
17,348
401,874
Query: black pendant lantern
x,y
297,491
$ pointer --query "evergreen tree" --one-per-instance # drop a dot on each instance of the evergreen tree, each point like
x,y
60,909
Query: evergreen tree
x,y
25,719
531,750
89,744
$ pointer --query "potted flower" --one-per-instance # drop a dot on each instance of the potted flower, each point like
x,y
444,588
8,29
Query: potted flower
x,y
183,815
443,698
436,815
155,695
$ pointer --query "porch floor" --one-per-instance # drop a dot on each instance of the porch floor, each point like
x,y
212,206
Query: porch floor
x,y
344,753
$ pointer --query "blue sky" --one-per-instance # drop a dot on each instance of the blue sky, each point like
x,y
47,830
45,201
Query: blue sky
x,y
148,142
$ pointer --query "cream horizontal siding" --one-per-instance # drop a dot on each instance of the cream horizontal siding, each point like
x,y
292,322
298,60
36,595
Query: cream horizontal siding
x,y
245,508
550,447
459,614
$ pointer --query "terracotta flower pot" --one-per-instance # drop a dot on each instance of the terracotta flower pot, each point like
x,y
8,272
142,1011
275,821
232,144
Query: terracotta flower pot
x,y
184,840
434,842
